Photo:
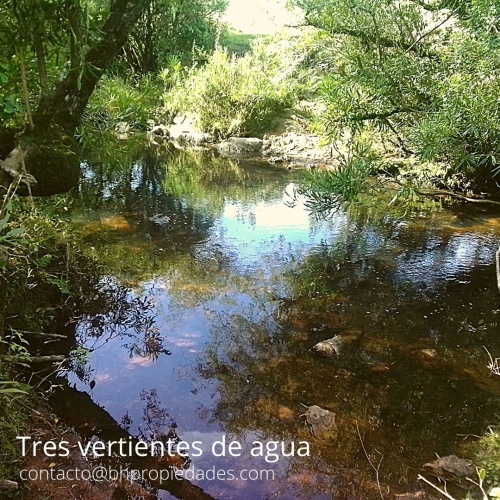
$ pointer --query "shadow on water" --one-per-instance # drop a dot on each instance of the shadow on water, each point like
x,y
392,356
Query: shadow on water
x,y
239,287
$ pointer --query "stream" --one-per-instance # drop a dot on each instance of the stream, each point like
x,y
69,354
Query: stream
x,y
230,282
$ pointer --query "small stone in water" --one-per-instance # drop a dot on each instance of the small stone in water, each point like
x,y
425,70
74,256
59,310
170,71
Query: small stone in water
x,y
319,420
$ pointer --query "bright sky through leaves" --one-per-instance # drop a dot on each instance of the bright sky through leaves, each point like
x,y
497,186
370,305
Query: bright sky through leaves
x,y
259,16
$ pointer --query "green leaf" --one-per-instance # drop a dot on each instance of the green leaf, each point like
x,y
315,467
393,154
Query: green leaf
x,y
9,108
482,474
5,220
14,232
12,391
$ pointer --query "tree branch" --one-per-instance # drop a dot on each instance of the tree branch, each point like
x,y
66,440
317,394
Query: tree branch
x,y
382,41
378,116
432,30
427,6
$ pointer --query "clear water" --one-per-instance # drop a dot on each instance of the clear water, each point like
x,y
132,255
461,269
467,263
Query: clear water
x,y
240,284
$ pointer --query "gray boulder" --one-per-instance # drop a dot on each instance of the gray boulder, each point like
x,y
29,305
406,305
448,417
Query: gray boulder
x,y
240,146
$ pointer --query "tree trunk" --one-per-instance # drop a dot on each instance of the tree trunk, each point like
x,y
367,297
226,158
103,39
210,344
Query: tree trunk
x,y
48,152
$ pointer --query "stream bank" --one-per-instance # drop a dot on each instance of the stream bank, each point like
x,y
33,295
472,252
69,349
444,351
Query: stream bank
x,y
293,145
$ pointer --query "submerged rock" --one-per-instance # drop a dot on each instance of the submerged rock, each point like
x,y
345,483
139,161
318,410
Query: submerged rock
x,y
320,421
428,358
329,347
334,346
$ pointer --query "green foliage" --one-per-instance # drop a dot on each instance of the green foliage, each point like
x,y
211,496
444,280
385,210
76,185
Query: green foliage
x,y
237,43
464,130
8,237
42,42
426,78
47,273
171,73
16,347
328,191
488,456
14,402
172,28
245,95
120,101
10,104
231,96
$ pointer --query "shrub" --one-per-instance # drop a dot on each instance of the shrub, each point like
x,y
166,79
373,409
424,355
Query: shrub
x,y
232,96
117,100
245,96
463,130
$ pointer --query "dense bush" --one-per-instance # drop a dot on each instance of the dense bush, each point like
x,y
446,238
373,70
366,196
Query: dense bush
x,y
245,95
232,96
464,128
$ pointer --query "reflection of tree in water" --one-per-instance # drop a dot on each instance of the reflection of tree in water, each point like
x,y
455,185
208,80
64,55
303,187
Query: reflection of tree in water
x,y
413,376
138,195
122,315
90,420
156,420
158,426
172,196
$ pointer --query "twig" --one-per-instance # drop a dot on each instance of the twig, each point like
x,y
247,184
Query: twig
x,y
452,194
26,177
493,364
480,484
465,436
445,493
427,33
376,469
497,261
43,334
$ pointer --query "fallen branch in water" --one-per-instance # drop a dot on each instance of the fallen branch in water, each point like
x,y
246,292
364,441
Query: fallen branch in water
x,y
43,334
376,469
452,194
442,192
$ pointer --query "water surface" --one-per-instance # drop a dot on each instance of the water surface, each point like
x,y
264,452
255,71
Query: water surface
x,y
237,283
